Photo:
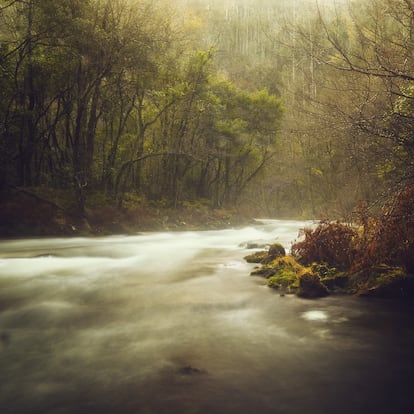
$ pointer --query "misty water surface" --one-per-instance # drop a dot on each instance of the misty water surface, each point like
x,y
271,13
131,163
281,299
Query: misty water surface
x,y
173,323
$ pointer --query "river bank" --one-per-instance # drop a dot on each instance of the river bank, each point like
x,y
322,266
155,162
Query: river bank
x,y
25,214
329,259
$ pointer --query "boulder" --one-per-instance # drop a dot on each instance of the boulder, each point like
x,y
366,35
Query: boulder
x,y
275,250
265,272
310,286
257,257
338,282
399,286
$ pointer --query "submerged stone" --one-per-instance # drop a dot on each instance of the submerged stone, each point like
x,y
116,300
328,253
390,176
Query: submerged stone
x,y
189,370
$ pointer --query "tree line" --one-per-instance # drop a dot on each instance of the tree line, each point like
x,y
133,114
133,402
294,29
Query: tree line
x,y
344,71
118,97
358,69
290,108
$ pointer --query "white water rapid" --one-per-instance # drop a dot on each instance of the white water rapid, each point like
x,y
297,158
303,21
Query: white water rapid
x,y
173,323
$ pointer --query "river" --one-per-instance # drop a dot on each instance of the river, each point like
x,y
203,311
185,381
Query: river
x,y
172,323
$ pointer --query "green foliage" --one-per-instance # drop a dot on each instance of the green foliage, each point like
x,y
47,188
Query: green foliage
x,y
96,97
231,128
121,97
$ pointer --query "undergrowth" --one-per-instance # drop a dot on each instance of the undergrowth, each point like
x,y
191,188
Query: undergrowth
x,y
376,252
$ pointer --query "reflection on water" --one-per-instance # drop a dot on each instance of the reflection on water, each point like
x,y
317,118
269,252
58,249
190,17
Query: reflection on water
x,y
173,323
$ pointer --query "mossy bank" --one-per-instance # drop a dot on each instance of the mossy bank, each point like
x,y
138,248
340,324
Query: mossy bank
x,y
288,276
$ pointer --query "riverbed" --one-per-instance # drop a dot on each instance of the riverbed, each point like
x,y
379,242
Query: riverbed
x,y
172,322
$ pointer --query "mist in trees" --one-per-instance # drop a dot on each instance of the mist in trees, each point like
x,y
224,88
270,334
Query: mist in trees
x,y
287,108
343,69
360,65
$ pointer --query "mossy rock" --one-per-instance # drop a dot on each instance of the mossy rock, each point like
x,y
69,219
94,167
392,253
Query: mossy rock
x,y
275,250
310,286
279,266
286,262
265,272
286,280
257,257
383,281
323,270
333,279
285,274
339,282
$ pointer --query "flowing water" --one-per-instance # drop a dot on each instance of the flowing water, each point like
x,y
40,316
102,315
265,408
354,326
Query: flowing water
x,y
173,323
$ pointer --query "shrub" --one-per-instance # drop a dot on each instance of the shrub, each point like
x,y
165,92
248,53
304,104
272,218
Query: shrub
x,y
389,237
330,243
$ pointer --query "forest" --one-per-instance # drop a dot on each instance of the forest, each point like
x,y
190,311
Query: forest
x,y
295,109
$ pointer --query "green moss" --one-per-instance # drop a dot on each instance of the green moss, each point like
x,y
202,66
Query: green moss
x,y
287,263
384,281
331,277
287,274
286,279
323,270
275,251
256,257
286,271
384,274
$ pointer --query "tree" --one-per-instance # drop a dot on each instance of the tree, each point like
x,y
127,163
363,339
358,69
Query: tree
x,y
344,132
112,97
380,53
